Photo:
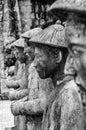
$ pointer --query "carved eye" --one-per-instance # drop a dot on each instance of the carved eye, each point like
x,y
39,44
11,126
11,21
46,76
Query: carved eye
x,y
77,52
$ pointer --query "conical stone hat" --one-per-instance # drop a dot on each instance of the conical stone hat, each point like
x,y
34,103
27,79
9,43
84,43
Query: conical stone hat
x,y
53,35
78,6
20,42
31,32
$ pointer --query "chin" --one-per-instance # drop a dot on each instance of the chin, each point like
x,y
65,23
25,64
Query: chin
x,y
42,75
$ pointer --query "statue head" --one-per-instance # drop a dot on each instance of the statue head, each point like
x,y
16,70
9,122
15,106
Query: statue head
x,y
48,60
29,52
9,57
22,51
74,11
18,50
49,52
76,42
21,56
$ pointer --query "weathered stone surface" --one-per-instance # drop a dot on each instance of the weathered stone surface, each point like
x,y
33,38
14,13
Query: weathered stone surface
x,y
64,109
11,27
53,35
37,97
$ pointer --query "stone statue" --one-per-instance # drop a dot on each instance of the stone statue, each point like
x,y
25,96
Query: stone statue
x,y
64,107
21,92
38,96
78,52
17,84
33,108
9,68
50,61
19,80
37,88
75,39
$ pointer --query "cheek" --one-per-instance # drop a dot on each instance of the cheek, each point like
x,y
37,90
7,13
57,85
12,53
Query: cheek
x,y
83,62
77,64
39,63
69,67
80,65
42,63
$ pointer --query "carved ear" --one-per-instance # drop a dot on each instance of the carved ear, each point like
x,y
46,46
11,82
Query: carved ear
x,y
59,57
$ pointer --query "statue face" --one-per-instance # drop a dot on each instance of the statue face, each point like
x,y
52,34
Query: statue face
x,y
69,66
29,52
44,63
76,40
9,59
22,57
78,52
19,53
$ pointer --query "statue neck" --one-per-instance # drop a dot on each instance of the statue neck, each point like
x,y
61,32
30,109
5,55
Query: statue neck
x,y
57,76
28,62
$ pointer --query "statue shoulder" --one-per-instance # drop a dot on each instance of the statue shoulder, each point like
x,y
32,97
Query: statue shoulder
x,y
70,93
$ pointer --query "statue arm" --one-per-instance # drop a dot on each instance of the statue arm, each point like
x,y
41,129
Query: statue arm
x,y
23,81
24,99
71,111
18,94
20,83
12,84
32,107
11,70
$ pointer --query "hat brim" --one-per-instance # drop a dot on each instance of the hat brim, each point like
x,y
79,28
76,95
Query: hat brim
x,y
31,33
67,8
19,43
52,36
45,44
